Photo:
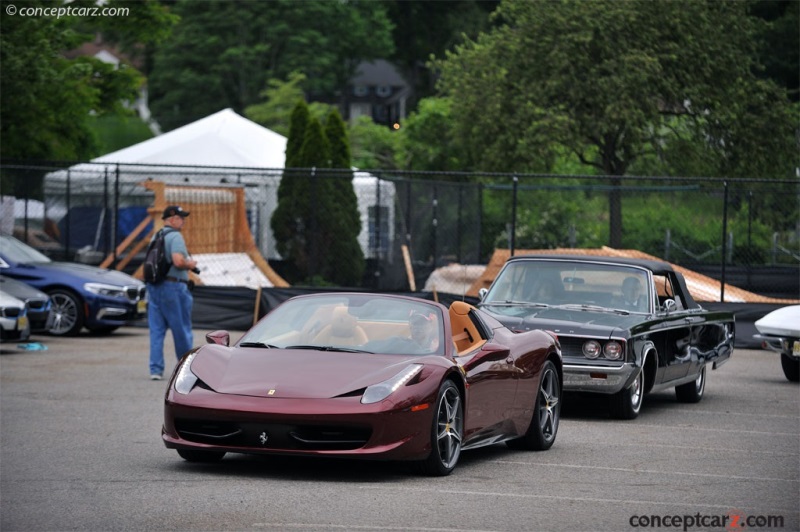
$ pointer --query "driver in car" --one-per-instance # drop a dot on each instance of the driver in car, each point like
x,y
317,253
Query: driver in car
x,y
424,331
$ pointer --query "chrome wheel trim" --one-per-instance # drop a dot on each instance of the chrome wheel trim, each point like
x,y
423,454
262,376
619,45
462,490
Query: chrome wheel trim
x,y
700,381
449,427
636,392
548,405
65,311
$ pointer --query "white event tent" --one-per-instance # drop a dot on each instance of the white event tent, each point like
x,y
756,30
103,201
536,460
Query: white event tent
x,y
221,149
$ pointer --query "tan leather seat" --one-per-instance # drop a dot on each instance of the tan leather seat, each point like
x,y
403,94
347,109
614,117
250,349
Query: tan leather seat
x,y
465,334
343,330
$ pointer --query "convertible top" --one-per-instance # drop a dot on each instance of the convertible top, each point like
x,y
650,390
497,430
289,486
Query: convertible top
x,y
656,266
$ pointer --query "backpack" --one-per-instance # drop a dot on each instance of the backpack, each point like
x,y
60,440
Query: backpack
x,y
156,264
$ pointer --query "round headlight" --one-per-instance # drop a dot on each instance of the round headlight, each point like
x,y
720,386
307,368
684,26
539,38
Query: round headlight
x,y
613,350
591,349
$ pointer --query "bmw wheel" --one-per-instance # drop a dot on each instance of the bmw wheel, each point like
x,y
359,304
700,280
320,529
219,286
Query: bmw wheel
x,y
447,432
692,392
546,413
67,311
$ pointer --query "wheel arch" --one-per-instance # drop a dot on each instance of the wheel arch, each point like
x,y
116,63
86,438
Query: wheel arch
x,y
649,366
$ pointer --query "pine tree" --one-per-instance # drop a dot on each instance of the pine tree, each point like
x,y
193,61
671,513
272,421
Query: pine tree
x,y
345,253
287,221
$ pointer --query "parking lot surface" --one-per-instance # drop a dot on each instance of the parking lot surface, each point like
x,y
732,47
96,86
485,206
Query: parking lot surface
x,y
81,450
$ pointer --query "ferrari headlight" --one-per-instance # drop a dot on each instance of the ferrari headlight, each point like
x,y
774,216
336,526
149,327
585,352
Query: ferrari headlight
x,y
185,380
591,349
108,290
382,390
613,350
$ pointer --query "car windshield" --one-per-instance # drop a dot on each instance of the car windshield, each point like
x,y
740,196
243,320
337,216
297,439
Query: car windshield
x,y
365,323
16,251
560,283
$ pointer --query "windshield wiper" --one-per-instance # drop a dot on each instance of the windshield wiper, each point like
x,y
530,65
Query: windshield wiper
x,y
328,348
595,308
510,303
257,344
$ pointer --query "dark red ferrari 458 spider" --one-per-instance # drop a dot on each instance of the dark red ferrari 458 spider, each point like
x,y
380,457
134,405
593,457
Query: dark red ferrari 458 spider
x,y
366,376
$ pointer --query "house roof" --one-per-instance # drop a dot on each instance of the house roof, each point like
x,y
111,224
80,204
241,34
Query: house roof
x,y
701,287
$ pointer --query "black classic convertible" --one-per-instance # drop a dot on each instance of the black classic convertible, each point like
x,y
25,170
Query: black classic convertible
x,y
627,327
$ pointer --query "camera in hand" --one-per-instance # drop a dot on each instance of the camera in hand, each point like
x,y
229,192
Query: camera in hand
x,y
196,270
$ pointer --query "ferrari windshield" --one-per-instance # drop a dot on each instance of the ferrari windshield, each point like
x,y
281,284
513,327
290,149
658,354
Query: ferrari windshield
x,y
352,323
574,284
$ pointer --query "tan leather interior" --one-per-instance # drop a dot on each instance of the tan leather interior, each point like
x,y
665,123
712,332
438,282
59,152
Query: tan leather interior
x,y
343,330
465,334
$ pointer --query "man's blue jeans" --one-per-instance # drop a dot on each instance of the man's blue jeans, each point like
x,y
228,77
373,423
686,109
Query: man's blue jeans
x,y
169,307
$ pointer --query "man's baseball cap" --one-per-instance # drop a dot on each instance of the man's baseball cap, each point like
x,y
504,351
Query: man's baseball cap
x,y
174,210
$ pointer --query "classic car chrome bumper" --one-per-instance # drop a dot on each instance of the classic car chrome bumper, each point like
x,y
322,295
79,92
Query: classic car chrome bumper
x,y
598,379
780,344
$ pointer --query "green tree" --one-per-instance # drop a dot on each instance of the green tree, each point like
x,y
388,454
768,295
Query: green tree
x,y
423,29
373,146
286,221
235,47
47,99
615,81
428,141
346,258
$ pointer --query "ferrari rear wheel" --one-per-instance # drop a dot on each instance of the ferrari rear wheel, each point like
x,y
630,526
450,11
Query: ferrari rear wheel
x,y
544,426
191,455
447,432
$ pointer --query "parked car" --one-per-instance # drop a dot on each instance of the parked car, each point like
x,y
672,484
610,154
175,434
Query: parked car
x,y
14,323
82,296
627,327
38,303
367,376
780,332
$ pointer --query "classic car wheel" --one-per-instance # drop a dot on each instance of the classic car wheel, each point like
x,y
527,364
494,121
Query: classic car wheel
x,y
692,392
627,403
67,311
546,413
791,367
191,455
447,432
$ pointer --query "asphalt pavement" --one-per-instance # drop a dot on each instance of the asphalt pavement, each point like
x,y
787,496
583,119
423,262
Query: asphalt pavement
x,y
80,449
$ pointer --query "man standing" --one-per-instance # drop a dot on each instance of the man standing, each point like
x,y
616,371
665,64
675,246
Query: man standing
x,y
170,302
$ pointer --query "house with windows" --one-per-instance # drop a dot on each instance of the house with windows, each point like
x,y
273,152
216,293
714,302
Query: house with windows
x,y
378,91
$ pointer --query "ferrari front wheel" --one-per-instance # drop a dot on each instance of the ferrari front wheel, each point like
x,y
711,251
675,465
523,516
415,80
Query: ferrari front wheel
x,y
190,455
447,432
546,412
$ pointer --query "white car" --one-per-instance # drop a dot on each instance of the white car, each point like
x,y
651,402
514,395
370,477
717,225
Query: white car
x,y
14,324
780,332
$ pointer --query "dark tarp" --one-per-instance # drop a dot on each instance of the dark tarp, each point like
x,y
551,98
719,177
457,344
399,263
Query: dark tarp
x,y
234,308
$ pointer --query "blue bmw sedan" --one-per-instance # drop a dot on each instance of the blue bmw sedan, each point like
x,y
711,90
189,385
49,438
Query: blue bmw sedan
x,y
82,296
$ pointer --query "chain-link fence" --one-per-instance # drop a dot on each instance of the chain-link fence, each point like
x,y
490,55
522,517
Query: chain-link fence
x,y
413,225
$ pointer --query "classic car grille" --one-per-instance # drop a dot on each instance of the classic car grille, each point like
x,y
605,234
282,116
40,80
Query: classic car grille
x,y
572,351
273,435
135,293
